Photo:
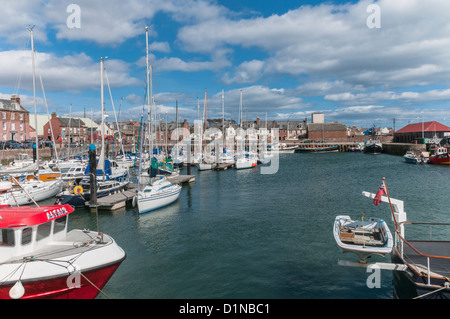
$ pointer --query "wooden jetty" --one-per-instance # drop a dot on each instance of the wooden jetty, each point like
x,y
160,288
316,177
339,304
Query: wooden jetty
x,y
114,201
180,179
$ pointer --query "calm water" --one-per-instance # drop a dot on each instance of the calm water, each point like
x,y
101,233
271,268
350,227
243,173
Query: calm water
x,y
241,234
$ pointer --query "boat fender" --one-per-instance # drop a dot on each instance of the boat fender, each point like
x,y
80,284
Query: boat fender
x,y
134,201
17,291
78,190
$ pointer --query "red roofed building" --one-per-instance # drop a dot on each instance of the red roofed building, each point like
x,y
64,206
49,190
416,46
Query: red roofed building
x,y
411,132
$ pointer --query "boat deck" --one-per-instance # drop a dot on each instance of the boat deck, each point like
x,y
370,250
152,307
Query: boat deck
x,y
440,267
361,237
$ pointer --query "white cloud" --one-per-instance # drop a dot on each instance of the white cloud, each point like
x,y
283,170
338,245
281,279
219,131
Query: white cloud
x,y
379,96
67,73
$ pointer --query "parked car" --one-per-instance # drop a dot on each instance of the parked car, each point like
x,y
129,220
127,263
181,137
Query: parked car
x,y
44,143
11,144
27,145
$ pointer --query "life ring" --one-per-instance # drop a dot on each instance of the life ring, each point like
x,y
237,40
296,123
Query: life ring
x,y
78,190
134,201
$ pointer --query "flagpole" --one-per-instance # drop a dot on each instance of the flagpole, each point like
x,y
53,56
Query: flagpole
x,y
389,198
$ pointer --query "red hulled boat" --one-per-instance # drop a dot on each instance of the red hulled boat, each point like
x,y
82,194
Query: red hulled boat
x,y
39,258
440,156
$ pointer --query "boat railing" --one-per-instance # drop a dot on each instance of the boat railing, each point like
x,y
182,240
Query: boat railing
x,y
429,257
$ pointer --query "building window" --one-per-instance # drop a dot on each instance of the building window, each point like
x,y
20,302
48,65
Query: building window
x,y
21,126
13,126
21,116
4,126
4,115
13,116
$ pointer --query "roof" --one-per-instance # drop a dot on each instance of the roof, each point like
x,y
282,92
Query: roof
x,y
42,120
70,121
22,216
88,122
9,105
427,127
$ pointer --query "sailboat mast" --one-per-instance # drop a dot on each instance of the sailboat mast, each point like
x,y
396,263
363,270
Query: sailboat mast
x,y
149,94
34,99
204,124
223,119
102,102
101,161
240,111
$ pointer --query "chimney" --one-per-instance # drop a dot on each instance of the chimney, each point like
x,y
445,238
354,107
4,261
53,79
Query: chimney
x,y
257,121
15,98
54,115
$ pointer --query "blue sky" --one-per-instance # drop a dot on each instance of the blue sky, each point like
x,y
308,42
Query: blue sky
x,y
289,58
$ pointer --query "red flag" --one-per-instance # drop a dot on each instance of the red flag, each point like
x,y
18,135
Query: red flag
x,y
381,192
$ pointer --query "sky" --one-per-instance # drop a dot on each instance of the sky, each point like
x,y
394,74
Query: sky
x,y
362,63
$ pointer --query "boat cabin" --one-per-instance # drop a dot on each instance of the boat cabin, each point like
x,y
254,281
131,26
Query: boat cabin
x,y
440,151
28,229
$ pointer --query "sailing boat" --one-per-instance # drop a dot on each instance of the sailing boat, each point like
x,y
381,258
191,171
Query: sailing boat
x,y
157,193
207,162
110,177
31,188
246,159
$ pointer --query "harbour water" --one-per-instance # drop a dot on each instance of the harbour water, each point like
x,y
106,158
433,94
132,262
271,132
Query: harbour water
x,y
240,234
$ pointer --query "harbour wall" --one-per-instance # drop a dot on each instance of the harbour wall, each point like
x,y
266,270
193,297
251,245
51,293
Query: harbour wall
x,y
401,148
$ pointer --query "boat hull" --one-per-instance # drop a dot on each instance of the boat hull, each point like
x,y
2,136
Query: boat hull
x,y
373,149
40,192
408,284
58,288
80,200
205,166
148,204
244,165
443,159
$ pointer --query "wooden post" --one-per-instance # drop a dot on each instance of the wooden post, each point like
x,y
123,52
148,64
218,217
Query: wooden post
x,y
189,158
34,152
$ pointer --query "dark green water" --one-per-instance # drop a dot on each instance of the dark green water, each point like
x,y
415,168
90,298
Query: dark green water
x,y
241,234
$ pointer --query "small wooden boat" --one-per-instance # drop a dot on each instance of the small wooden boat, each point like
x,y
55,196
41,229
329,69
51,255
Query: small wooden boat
x,y
364,238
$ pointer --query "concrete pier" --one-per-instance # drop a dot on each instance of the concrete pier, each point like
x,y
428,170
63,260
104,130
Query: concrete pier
x,y
401,148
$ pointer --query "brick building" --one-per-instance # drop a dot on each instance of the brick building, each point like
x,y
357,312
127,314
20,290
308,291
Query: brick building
x,y
327,131
15,120
66,130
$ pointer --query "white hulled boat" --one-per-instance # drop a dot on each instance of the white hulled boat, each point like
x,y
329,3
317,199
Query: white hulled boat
x,y
247,161
22,193
364,238
41,259
156,195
